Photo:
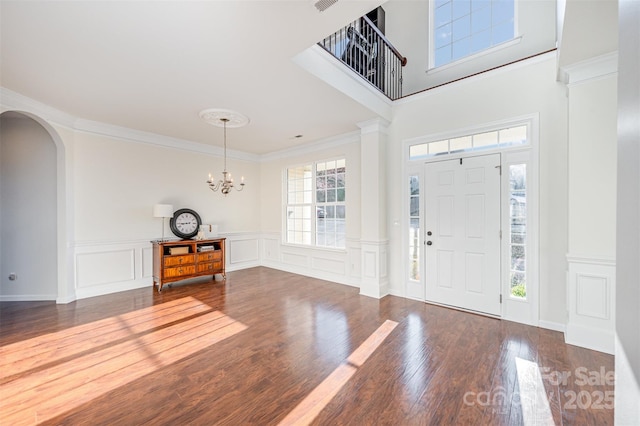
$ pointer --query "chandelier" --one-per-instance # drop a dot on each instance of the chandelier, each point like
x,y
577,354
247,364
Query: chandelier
x,y
224,118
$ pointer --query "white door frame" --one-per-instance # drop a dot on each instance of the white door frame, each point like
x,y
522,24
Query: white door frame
x,y
513,309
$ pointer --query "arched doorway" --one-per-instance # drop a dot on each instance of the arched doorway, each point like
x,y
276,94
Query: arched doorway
x,y
30,201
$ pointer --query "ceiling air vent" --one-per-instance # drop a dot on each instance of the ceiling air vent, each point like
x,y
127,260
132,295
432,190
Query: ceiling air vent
x,y
323,5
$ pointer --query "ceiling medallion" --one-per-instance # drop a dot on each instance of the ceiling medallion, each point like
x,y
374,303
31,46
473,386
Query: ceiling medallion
x,y
214,117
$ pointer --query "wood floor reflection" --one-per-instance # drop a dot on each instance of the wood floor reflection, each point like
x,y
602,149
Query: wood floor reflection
x,y
269,346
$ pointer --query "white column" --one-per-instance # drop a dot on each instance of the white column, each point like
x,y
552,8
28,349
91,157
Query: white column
x,y
592,204
373,221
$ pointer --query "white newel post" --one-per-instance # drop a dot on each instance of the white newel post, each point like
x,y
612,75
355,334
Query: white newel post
x,y
374,242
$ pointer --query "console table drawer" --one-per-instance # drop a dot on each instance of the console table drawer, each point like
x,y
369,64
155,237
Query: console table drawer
x,y
179,271
210,255
179,260
209,266
205,267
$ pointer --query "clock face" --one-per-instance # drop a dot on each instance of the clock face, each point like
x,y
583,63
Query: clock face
x,y
185,223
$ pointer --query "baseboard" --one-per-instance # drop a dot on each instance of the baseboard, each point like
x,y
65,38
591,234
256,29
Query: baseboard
x,y
65,300
550,325
591,338
397,292
28,298
101,290
338,279
242,265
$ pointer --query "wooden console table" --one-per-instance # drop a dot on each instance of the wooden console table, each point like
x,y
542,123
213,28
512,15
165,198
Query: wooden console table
x,y
181,259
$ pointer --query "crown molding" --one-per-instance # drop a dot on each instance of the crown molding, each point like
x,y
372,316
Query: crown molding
x,y
376,125
13,101
138,136
590,69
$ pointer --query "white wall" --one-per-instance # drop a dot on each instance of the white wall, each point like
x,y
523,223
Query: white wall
x,y
592,167
28,222
407,29
116,183
628,218
518,90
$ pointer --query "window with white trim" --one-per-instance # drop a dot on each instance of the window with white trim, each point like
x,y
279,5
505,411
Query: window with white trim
x,y
414,227
518,229
464,27
316,204
502,138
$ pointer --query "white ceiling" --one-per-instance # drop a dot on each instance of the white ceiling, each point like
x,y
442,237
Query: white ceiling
x,y
154,65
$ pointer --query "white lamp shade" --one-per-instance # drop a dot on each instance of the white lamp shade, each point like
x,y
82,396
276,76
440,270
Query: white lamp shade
x,y
163,210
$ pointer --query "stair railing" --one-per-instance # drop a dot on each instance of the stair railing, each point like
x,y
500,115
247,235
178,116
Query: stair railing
x,y
363,48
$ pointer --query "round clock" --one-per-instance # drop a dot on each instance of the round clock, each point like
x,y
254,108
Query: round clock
x,y
185,223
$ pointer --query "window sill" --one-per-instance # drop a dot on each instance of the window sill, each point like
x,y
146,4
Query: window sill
x,y
489,51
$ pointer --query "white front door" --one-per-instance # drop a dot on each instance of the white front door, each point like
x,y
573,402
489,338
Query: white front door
x,y
462,206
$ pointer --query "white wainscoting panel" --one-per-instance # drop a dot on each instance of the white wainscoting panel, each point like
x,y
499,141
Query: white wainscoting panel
x,y
370,264
340,266
242,250
591,303
147,262
295,259
354,265
374,282
592,296
104,267
336,266
111,266
271,248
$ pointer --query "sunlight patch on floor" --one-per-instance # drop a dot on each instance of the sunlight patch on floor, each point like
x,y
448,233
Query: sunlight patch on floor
x,y
96,358
533,397
39,351
309,408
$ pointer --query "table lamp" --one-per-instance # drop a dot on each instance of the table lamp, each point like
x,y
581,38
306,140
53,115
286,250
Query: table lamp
x,y
163,210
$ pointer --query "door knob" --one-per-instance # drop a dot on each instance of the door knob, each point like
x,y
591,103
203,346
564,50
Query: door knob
x,y
429,233
429,243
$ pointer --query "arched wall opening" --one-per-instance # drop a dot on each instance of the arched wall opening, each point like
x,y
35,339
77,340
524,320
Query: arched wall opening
x,y
32,210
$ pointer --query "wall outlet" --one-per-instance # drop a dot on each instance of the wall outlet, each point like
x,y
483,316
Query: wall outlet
x,y
13,276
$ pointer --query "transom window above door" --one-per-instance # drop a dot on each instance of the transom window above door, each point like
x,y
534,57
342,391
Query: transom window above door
x,y
502,138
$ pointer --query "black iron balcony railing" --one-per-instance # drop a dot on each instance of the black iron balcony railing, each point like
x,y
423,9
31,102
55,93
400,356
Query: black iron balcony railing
x,y
363,47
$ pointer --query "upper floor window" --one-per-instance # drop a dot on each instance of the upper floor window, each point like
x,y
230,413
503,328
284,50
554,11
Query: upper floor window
x,y
316,204
464,27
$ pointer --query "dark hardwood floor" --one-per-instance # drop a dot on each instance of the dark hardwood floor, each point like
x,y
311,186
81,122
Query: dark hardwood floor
x,y
268,347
